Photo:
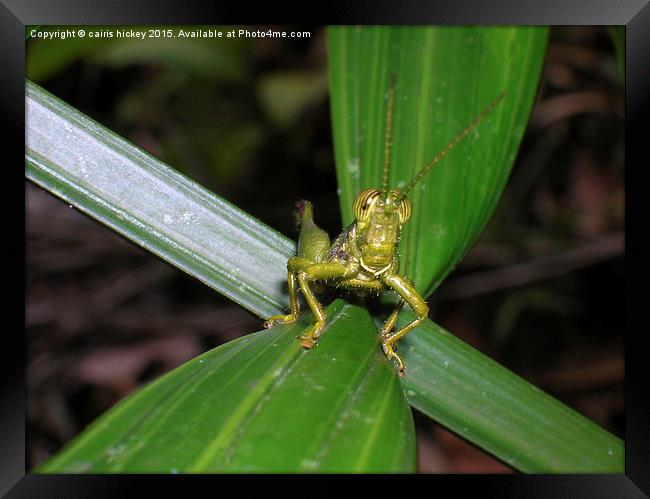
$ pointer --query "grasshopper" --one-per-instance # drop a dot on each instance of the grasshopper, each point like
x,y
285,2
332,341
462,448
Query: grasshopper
x,y
364,257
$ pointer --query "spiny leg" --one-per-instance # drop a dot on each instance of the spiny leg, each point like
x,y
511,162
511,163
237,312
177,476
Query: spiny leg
x,y
308,339
318,272
392,319
407,292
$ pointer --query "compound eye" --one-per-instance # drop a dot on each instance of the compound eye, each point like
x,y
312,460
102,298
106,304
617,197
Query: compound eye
x,y
363,201
404,210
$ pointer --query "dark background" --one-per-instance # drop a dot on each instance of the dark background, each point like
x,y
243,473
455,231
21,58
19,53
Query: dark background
x,y
541,292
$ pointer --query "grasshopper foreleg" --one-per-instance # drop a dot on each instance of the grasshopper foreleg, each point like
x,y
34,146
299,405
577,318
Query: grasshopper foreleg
x,y
407,292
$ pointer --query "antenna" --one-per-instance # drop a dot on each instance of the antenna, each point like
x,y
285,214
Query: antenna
x,y
388,137
451,145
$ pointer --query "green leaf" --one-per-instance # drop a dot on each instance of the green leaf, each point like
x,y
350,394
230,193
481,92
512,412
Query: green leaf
x,y
445,78
261,404
497,410
154,206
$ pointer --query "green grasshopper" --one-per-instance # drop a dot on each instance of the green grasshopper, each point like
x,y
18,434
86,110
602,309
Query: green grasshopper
x,y
363,258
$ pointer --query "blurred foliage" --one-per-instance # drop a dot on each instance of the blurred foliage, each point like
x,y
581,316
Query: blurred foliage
x,y
285,94
199,104
202,58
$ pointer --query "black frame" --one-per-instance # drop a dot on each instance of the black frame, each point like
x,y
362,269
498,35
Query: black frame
x,y
634,14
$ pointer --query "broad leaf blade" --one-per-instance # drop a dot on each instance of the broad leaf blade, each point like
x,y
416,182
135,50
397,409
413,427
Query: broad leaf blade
x,y
485,403
445,77
154,206
261,404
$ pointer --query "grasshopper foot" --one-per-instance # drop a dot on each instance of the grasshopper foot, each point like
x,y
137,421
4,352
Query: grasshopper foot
x,y
308,340
279,319
390,353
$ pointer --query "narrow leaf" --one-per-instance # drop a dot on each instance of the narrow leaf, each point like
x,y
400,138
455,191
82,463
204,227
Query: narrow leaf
x,y
153,205
485,403
445,77
261,404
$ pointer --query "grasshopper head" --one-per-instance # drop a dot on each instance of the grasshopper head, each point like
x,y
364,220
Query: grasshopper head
x,y
387,205
380,215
